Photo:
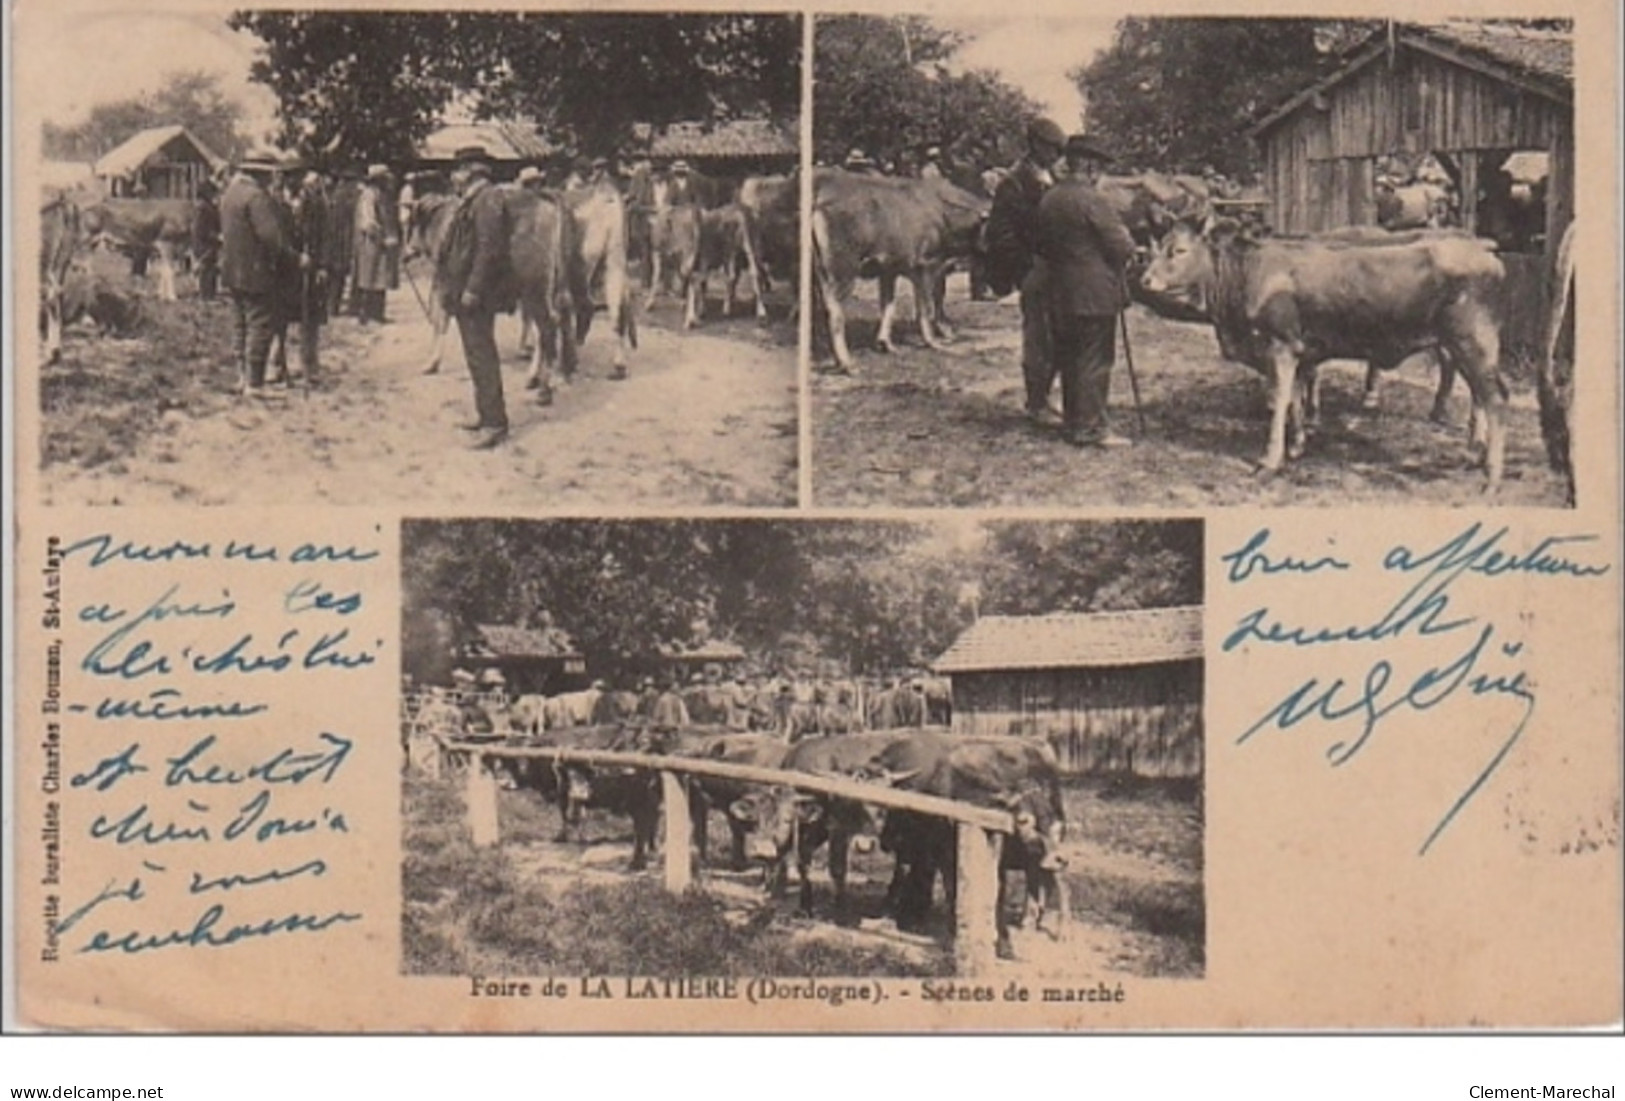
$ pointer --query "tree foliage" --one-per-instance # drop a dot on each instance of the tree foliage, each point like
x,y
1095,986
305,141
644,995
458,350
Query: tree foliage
x,y
886,85
866,597
371,85
1176,94
192,99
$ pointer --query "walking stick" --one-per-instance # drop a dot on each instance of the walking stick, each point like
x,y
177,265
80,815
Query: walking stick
x,y
413,283
1128,358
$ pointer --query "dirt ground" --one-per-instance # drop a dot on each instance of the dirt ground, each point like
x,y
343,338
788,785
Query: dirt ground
x,y
1134,878
928,428
707,418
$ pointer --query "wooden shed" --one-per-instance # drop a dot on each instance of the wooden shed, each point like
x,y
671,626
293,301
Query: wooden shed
x,y
1113,692
166,162
542,660
732,149
713,655
1492,104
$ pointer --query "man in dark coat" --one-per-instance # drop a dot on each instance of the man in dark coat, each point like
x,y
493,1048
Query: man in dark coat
x,y
256,246
1084,248
1012,232
339,238
311,221
475,281
206,241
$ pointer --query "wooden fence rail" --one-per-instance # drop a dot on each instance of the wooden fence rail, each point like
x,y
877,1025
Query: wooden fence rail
x,y
980,830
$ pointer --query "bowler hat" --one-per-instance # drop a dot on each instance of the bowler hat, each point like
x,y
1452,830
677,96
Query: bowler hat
x,y
1046,131
1084,146
259,160
679,166
528,173
468,154
378,172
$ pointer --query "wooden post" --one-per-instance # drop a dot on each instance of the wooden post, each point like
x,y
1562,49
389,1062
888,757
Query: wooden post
x,y
481,788
679,869
975,928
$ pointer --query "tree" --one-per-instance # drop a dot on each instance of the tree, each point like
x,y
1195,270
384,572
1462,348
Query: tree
x,y
371,85
885,85
192,99
1175,94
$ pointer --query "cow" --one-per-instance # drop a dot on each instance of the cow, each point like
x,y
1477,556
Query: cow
x,y
143,228
615,706
1018,775
1282,308
780,822
61,233
541,248
598,257
709,793
723,252
1555,380
875,227
576,787
674,248
1421,205
771,207
527,715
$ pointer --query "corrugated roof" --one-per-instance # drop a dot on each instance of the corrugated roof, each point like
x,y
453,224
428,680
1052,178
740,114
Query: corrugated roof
x,y
507,641
738,138
503,141
1076,640
139,148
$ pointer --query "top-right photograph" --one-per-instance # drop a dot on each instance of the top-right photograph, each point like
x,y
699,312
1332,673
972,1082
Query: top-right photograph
x,y
1188,262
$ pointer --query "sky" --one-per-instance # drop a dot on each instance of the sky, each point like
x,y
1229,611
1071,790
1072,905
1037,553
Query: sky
x,y
122,55
1035,54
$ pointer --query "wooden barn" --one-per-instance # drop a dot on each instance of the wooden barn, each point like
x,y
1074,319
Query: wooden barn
x,y
1492,104
509,144
732,150
166,162
1113,692
544,660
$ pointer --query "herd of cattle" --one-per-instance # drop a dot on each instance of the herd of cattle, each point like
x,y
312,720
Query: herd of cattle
x,y
1280,305
566,248
772,825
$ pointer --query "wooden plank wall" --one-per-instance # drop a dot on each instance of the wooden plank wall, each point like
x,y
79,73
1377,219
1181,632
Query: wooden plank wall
x,y
1144,720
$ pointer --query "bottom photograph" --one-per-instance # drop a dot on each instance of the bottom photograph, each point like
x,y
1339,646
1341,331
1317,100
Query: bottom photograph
x,y
809,748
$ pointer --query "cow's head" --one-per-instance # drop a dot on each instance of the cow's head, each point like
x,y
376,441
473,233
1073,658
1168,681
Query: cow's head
x,y
772,819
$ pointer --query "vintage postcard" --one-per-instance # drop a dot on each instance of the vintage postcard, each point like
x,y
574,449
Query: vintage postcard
x,y
798,520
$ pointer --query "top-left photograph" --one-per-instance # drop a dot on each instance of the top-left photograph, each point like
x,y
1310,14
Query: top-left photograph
x,y
446,258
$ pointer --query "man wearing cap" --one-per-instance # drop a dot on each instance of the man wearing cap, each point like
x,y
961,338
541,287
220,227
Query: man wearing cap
x,y
256,247
339,237
1085,248
1012,231
377,243
475,283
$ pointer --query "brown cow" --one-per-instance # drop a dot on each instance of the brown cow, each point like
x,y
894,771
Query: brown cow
x,y
143,228
771,206
876,227
1283,308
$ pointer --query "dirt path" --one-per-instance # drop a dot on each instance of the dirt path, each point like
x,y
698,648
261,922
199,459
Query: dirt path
x,y
944,428
707,418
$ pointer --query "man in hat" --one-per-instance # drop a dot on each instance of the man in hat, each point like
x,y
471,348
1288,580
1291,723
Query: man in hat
x,y
377,243
339,237
206,240
931,168
1085,248
858,161
310,220
256,248
1011,252
475,283
530,178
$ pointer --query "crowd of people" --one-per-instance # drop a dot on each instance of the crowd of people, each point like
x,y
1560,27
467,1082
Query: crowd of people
x,y
786,705
292,247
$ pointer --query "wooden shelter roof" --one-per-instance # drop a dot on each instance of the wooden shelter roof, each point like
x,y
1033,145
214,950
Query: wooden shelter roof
x,y
1076,640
